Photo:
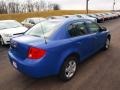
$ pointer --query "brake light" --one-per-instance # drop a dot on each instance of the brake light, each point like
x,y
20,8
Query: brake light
x,y
36,53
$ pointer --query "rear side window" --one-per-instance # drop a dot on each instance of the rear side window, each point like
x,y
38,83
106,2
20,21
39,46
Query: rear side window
x,y
77,29
93,27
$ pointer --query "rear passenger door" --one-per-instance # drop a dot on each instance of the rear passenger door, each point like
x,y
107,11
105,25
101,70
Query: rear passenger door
x,y
81,39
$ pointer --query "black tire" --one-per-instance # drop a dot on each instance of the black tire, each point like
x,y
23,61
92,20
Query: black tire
x,y
1,41
65,69
107,44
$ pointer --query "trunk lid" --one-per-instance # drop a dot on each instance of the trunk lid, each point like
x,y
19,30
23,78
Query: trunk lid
x,y
20,45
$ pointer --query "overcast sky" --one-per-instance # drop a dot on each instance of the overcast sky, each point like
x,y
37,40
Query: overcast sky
x,y
93,4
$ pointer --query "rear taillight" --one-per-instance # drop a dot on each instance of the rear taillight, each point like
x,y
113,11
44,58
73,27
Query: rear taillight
x,y
36,53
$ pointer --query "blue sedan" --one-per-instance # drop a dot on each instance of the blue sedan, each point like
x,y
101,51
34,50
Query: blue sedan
x,y
55,47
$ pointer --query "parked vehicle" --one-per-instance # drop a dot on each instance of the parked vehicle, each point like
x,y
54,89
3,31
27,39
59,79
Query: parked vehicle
x,y
106,16
118,14
55,17
55,47
101,15
110,15
30,22
69,16
99,18
115,14
84,16
9,28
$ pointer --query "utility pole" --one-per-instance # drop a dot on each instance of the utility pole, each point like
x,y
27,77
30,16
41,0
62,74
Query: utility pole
x,y
87,6
114,5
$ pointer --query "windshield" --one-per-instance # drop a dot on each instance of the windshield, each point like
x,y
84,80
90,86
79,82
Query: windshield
x,y
44,28
92,15
9,24
33,20
79,16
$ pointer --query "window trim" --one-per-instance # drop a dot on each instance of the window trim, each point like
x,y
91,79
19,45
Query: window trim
x,y
77,22
89,31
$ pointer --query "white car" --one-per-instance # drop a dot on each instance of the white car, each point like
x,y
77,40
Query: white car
x,y
115,14
110,15
69,16
55,17
30,22
84,16
9,28
118,13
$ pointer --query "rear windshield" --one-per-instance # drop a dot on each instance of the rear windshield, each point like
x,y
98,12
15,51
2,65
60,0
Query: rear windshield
x,y
7,25
44,28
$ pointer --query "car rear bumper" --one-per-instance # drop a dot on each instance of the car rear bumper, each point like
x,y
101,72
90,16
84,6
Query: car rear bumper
x,y
36,69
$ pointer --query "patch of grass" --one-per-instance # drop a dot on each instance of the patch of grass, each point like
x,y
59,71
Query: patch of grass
x,y
22,16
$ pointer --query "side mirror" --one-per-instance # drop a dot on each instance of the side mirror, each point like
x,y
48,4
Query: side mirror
x,y
103,29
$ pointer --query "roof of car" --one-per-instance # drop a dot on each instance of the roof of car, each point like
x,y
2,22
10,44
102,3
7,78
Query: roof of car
x,y
80,14
55,16
36,18
68,15
7,20
69,19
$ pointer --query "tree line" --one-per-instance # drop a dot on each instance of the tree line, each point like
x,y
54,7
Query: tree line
x,y
26,6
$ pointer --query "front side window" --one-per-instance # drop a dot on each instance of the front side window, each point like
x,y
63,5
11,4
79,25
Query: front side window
x,y
77,29
93,27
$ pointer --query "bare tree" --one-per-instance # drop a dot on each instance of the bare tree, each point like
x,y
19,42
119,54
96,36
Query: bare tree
x,y
50,6
3,8
56,7
11,7
26,6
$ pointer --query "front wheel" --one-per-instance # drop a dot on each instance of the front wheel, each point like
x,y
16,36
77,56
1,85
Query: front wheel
x,y
1,41
69,68
107,44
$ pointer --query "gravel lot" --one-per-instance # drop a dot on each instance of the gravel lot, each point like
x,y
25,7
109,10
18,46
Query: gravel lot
x,y
99,72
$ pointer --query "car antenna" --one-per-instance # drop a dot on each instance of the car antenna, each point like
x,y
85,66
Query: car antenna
x,y
43,34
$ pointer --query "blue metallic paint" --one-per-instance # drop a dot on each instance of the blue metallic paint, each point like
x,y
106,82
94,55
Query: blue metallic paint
x,y
59,46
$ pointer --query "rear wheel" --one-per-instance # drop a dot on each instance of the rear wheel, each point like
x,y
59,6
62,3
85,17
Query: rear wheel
x,y
69,68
